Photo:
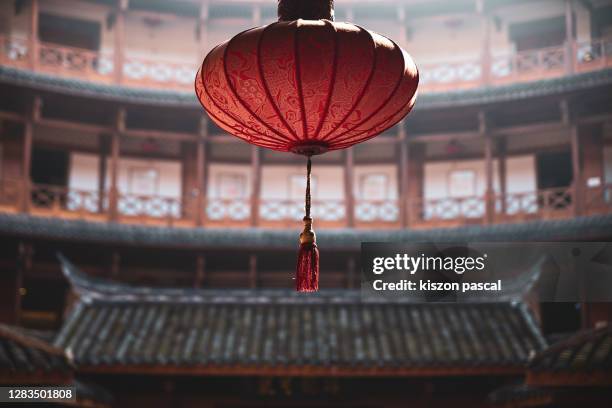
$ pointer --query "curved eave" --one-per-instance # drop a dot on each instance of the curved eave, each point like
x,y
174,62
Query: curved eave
x,y
590,228
438,100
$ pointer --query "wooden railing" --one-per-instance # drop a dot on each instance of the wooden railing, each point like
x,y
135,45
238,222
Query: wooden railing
x,y
17,196
178,74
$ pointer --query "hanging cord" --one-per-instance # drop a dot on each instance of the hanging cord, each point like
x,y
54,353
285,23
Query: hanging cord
x,y
308,171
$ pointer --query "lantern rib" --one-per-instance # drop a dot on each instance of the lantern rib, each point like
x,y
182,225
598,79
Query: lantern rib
x,y
332,80
412,98
407,104
377,110
212,115
232,88
298,78
363,90
247,137
265,85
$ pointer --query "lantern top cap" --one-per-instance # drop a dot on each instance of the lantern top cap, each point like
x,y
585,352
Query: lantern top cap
x,y
289,10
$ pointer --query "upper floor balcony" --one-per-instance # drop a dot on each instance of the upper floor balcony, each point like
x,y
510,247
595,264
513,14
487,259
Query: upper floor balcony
x,y
475,44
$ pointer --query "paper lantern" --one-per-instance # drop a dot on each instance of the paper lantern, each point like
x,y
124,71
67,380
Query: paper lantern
x,y
307,85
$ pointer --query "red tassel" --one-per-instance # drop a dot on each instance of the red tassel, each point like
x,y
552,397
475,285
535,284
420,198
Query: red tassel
x,y
307,275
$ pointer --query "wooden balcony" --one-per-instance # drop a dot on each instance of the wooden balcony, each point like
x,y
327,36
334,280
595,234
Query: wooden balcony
x,y
16,196
491,70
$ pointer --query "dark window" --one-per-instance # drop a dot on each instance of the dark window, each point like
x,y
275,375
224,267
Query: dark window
x,y
71,32
543,33
49,167
554,169
560,317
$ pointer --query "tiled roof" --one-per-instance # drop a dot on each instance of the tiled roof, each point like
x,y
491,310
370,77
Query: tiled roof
x,y
477,96
576,229
203,331
24,358
586,351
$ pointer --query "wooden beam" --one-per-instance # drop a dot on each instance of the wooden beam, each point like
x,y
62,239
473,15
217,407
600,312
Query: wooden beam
x,y
348,370
349,182
160,134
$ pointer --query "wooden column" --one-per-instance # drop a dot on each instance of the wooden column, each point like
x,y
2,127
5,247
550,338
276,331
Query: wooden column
x,y
119,44
403,175
576,170
483,129
34,50
115,264
255,184
26,160
253,271
113,191
349,182
489,193
350,277
203,31
592,169
569,36
201,172
102,168
486,42
502,170
200,271
414,180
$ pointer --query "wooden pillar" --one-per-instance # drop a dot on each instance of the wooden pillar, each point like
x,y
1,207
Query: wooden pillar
x,y
349,182
102,168
502,170
403,175
592,170
350,276
200,271
11,281
200,172
569,36
119,44
34,49
113,191
203,31
415,180
576,170
483,129
256,184
486,42
115,264
489,193
26,160
253,271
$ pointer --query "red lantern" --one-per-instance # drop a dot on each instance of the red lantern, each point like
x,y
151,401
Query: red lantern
x,y
307,86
